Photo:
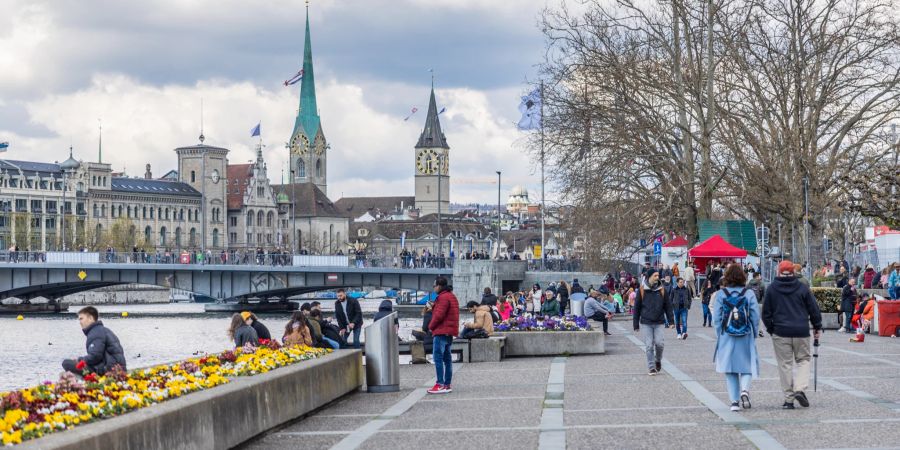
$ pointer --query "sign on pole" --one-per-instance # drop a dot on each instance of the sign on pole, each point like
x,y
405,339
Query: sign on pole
x,y
657,248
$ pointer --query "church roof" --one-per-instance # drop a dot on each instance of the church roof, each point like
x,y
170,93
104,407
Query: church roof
x,y
307,120
353,207
417,229
237,176
308,200
432,135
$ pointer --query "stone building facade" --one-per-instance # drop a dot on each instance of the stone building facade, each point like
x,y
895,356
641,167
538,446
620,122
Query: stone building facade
x,y
257,216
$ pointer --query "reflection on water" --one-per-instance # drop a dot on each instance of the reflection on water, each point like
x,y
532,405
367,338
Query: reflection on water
x,y
33,348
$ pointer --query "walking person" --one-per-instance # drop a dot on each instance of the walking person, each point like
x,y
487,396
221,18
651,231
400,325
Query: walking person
x,y
736,315
652,309
788,310
681,301
444,327
848,299
689,278
349,317
705,298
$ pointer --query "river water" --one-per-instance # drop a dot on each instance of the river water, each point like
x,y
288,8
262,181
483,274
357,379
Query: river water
x,y
31,350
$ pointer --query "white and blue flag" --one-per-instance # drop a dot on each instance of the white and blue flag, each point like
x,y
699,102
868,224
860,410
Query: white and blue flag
x,y
4,146
255,130
531,111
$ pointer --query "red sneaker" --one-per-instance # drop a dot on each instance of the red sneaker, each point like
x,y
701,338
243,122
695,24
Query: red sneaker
x,y
448,388
437,389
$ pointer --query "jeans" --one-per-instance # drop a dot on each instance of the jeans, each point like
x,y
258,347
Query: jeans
x,y
443,359
600,317
848,321
356,330
681,320
737,382
707,314
331,343
654,343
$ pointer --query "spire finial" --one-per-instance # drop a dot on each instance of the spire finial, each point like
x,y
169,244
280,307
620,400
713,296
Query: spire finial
x,y
100,141
432,78
70,151
202,138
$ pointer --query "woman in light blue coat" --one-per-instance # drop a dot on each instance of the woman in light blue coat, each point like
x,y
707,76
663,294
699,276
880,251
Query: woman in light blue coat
x,y
736,356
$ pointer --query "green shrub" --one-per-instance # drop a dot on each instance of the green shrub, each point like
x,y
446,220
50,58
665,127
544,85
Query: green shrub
x,y
828,298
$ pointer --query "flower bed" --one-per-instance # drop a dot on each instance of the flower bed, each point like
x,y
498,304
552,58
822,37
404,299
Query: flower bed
x,y
33,412
530,323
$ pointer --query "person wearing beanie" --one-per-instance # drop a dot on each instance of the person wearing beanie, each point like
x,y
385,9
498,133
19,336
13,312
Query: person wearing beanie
x,y
261,331
241,331
652,310
788,310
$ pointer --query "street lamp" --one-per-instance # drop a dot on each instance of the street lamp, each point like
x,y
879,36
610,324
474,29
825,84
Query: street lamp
x,y
498,214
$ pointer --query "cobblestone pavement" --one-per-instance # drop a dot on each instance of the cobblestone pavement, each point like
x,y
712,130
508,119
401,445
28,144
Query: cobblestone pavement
x,y
608,401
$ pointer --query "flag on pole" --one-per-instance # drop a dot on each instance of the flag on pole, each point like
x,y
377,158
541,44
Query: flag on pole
x,y
294,79
410,113
255,130
442,110
4,146
531,111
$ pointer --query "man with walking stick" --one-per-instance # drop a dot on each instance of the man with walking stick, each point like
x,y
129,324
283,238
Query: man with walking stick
x,y
788,309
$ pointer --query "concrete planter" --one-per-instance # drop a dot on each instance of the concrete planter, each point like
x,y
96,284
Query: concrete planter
x,y
221,417
551,343
830,321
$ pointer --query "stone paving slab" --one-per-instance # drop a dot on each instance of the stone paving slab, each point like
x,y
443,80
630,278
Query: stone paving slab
x,y
675,436
455,414
276,441
454,439
696,414
850,435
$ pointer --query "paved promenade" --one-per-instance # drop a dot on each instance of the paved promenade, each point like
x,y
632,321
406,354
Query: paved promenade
x,y
608,401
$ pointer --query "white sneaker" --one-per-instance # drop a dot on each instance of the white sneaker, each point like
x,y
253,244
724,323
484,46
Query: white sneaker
x,y
735,406
841,330
679,337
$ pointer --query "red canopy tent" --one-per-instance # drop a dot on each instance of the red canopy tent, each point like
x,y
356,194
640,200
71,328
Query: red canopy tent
x,y
714,248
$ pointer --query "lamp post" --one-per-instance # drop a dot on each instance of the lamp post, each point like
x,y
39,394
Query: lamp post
x,y
806,225
498,213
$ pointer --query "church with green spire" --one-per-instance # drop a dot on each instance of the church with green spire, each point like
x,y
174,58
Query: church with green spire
x,y
307,145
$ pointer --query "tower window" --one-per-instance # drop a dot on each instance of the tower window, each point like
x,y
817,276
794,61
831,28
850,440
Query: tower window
x,y
193,176
301,168
318,168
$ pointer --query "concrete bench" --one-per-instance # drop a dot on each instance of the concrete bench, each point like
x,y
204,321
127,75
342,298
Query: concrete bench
x,y
459,346
487,350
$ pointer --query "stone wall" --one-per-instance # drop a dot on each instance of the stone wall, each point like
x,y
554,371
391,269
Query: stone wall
x,y
470,277
585,279
222,417
131,294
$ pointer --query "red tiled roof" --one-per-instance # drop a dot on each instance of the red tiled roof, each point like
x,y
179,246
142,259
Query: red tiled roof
x,y
237,178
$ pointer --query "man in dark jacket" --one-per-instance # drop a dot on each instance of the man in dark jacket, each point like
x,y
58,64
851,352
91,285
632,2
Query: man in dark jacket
x,y
788,310
681,303
488,299
652,309
444,327
848,298
349,316
261,331
103,348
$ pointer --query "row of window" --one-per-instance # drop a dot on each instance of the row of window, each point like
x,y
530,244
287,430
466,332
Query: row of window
x,y
31,183
166,237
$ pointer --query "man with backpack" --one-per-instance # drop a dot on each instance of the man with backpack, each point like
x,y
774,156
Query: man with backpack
x,y
681,301
788,310
652,310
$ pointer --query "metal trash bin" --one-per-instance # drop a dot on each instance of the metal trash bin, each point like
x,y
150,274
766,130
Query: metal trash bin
x,y
382,356
576,302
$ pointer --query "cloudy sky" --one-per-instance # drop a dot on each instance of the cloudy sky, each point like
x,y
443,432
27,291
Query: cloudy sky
x,y
143,67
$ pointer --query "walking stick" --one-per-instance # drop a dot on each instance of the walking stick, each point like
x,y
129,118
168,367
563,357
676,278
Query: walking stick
x,y
815,364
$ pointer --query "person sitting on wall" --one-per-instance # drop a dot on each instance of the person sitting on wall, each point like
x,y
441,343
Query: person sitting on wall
x,y
483,325
103,348
595,310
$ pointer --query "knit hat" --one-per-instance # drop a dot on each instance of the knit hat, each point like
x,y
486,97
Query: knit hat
x,y
650,272
604,290
785,267
245,315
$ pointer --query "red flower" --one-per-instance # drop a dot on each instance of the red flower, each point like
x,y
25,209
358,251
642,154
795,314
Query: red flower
x,y
81,365
91,378
263,342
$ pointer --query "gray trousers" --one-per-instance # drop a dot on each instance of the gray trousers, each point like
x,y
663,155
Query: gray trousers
x,y
654,343
792,356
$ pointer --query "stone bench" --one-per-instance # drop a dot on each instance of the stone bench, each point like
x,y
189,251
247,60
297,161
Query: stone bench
x,y
487,350
552,343
459,346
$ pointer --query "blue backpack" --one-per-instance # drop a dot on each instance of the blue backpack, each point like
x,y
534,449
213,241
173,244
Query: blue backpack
x,y
736,313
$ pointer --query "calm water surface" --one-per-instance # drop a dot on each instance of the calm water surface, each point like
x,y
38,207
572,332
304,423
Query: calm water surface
x,y
33,349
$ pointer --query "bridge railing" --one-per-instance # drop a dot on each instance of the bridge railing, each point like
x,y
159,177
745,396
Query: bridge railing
x,y
230,258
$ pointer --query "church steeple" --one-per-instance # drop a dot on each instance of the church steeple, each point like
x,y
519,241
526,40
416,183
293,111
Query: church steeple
x,y
432,136
308,116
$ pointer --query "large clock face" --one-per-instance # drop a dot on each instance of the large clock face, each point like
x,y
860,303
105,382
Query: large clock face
x,y
427,161
299,144
320,147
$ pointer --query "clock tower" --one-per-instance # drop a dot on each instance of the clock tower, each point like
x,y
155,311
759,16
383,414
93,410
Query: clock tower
x,y
432,165
307,145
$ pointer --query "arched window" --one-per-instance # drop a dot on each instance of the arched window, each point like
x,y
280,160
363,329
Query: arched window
x,y
215,237
167,213
270,218
259,218
301,168
162,237
148,236
193,176
192,237
330,238
178,237
96,210
318,168
250,218
93,180
337,239
181,214
144,212
120,211
102,210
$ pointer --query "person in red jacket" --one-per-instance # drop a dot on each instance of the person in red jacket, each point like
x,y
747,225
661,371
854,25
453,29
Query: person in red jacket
x,y
444,327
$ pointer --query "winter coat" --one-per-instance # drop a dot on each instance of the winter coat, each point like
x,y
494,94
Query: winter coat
x,y
354,314
652,306
331,331
789,307
758,288
593,306
445,316
483,320
688,274
385,309
868,276
681,298
261,331
489,299
103,349
298,336
848,297
736,354
505,309
245,334
893,280
550,308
